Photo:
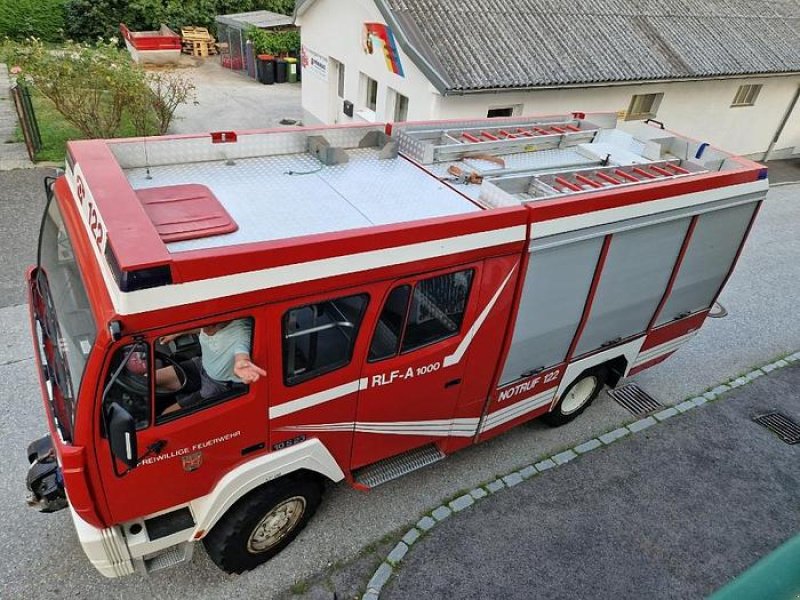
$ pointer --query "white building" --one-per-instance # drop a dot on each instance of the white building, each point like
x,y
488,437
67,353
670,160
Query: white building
x,y
727,71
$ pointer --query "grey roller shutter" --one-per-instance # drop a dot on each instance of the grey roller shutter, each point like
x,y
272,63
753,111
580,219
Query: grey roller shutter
x,y
633,282
715,242
556,287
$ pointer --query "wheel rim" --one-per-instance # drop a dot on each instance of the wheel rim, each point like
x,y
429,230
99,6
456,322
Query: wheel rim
x,y
276,525
578,395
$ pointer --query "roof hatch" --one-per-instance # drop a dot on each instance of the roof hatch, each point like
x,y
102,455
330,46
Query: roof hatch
x,y
185,212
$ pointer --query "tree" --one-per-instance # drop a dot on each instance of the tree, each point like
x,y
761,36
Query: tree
x,y
90,19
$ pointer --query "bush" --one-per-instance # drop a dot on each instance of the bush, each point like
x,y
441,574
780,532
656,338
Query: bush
x,y
90,19
44,19
274,42
97,88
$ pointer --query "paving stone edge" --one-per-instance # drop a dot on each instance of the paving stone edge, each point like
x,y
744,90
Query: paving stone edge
x,y
464,501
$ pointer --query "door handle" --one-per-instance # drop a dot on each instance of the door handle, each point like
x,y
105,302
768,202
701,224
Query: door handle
x,y
532,372
452,383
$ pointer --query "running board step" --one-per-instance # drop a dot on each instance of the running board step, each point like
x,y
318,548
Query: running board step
x,y
397,466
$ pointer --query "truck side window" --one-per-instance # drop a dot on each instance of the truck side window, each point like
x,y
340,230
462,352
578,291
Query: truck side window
x,y
437,309
319,338
389,330
199,368
128,382
433,313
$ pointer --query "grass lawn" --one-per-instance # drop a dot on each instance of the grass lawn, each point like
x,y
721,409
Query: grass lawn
x,y
56,131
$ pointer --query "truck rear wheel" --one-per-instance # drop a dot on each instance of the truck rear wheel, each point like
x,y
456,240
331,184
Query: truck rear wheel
x,y
577,397
262,523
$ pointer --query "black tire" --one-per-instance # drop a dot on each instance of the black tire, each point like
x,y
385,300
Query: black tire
x,y
233,542
561,415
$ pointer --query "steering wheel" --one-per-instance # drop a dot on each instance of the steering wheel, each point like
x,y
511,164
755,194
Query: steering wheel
x,y
139,384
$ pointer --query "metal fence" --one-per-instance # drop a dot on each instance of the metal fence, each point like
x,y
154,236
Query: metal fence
x,y
27,117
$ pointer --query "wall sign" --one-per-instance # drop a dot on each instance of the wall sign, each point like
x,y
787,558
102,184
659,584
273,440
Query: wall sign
x,y
314,63
380,34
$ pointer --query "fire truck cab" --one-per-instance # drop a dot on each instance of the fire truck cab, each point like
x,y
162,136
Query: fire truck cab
x,y
401,292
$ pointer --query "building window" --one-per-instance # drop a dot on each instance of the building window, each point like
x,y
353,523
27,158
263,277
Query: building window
x,y
746,95
340,79
644,106
504,111
400,108
371,93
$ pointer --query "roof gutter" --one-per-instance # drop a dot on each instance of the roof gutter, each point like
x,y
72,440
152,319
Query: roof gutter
x,y
432,73
603,84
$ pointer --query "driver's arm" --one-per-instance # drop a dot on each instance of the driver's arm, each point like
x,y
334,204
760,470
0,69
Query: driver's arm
x,y
166,339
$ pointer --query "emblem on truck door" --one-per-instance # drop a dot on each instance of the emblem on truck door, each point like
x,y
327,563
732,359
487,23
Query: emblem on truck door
x,y
192,462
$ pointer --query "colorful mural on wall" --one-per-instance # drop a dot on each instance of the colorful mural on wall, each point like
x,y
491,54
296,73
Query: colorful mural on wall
x,y
382,34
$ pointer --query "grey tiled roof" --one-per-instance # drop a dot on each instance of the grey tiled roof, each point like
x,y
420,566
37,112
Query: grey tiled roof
x,y
474,44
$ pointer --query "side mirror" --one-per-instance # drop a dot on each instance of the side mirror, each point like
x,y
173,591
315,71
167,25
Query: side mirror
x,y
121,428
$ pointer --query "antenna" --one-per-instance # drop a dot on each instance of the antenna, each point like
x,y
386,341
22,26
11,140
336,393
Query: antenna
x,y
146,156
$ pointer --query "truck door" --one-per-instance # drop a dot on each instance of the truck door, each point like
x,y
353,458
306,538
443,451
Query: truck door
x,y
317,347
188,438
415,364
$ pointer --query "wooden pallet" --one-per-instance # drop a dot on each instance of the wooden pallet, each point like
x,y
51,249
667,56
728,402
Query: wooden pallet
x,y
197,41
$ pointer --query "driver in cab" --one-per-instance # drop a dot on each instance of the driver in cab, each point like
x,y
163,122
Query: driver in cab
x,y
224,361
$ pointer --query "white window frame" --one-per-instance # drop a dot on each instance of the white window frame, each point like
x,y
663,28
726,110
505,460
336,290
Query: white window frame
x,y
341,76
395,99
643,106
368,83
516,110
746,95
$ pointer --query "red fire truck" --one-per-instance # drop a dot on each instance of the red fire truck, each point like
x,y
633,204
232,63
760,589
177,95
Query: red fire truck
x,y
408,289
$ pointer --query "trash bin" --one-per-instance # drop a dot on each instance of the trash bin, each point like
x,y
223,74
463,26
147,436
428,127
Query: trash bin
x,y
280,70
266,69
291,67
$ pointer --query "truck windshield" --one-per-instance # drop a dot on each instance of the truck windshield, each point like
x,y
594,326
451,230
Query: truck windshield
x,y
67,322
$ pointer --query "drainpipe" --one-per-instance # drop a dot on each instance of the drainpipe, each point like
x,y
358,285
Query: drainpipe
x,y
785,120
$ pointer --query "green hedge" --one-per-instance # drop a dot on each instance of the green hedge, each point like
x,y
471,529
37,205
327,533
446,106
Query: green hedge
x,y
43,19
90,19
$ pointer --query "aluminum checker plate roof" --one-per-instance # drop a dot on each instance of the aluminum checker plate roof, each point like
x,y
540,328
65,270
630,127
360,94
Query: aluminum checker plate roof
x,y
268,203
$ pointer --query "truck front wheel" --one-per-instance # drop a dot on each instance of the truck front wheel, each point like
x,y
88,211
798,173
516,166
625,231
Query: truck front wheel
x,y
262,523
577,397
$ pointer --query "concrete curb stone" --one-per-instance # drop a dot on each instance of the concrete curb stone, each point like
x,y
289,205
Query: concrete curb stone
x,y
479,493
642,424
513,479
441,513
544,465
397,553
666,414
585,447
461,503
495,486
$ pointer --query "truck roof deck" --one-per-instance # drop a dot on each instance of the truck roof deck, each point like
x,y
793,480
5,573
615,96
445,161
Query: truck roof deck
x,y
207,192
160,201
